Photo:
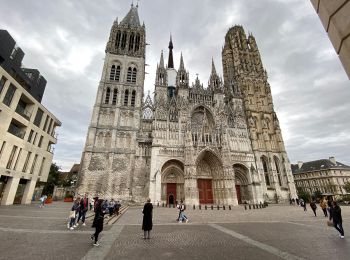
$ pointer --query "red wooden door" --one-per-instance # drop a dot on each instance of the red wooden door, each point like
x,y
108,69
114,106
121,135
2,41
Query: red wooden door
x,y
170,190
238,191
205,191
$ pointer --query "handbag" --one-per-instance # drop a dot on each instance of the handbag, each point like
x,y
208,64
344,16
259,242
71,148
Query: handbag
x,y
72,214
330,223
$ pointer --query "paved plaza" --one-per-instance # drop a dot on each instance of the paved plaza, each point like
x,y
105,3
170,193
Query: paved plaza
x,y
276,232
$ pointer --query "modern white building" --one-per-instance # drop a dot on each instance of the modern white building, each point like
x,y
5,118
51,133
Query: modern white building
x,y
27,128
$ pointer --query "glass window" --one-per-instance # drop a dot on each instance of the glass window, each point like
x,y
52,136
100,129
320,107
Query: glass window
x,y
2,83
9,95
38,117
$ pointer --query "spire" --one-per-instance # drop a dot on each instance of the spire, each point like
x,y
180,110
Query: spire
x,y
170,59
182,66
213,70
132,17
161,62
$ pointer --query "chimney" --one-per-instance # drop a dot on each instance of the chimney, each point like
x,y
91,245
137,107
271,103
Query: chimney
x,y
300,163
332,159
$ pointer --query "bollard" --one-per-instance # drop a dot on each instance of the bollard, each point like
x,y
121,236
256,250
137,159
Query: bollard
x,y
166,205
218,207
205,207
253,206
212,207
194,207
174,205
229,207
163,204
158,204
223,207
200,207
250,207
256,206
245,206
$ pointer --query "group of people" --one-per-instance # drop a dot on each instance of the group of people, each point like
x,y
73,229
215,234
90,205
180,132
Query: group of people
x,y
101,207
330,209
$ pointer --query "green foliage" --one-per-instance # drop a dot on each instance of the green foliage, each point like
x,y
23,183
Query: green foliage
x,y
52,180
304,195
317,194
347,187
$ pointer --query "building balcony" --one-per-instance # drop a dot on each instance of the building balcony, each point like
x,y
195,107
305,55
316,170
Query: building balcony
x,y
17,131
23,112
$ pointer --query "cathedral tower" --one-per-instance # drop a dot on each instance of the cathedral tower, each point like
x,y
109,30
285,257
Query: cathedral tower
x,y
245,75
108,160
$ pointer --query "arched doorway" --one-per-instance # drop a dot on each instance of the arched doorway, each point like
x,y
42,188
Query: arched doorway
x,y
241,183
172,182
210,181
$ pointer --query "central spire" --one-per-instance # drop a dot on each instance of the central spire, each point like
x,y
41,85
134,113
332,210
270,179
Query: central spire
x,y
170,59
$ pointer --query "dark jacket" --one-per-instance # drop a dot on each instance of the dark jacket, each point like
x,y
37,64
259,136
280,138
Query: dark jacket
x,y
335,214
147,216
98,219
84,206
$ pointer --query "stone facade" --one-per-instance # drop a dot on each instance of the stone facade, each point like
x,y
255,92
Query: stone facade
x,y
326,175
335,18
220,144
27,128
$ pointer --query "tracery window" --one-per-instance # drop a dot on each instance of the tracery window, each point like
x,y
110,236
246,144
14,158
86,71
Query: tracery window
x,y
137,42
129,75
278,171
131,41
126,97
267,177
117,39
108,93
123,41
133,97
133,76
115,73
115,95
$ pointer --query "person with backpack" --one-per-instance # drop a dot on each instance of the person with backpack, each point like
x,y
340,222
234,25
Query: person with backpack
x,y
182,208
313,206
98,221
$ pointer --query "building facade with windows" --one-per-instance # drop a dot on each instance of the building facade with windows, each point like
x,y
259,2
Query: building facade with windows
x,y
27,128
219,144
326,176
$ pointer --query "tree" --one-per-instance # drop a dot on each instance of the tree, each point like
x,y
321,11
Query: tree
x,y
304,195
347,187
52,180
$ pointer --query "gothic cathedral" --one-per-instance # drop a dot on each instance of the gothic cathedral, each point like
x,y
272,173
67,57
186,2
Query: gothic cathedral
x,y
219,144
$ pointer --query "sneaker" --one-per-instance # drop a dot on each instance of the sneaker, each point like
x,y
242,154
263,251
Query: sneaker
x,y
186,220
71,228
180,222
96,244
341,236
84,224
77,224
68,226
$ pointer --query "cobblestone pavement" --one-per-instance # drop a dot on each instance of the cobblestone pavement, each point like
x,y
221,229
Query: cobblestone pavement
x,y
276,232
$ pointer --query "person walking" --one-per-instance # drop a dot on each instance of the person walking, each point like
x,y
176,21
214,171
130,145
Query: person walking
x,y
313,206
335,215
147,219
323,206
42,201
84,206
182,208
98,221
111,207
73,213
117,207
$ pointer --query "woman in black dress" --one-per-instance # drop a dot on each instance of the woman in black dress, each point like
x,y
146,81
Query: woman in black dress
x,y
98,221
147,219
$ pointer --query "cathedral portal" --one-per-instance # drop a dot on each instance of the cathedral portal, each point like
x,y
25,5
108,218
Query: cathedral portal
x,y
172,181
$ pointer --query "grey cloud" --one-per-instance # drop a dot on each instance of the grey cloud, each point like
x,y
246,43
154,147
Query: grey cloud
x,y
65,40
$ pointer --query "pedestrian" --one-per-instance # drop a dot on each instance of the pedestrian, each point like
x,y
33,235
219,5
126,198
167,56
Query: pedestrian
x,y
313,206
182,208
117,207
84,206
111,207
42,201
303,204
98,221
323,206
335,215
92,201
147,219
73,213
329,204
95,202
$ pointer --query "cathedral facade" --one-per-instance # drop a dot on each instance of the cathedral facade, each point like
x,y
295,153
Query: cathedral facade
x,y
214,144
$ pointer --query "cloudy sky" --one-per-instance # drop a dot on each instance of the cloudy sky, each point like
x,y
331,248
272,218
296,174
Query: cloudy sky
x,y
65,40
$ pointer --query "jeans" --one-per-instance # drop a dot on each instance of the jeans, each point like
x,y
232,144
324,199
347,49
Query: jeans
x,y
72,222
339,226
98,230
182,216
82,214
